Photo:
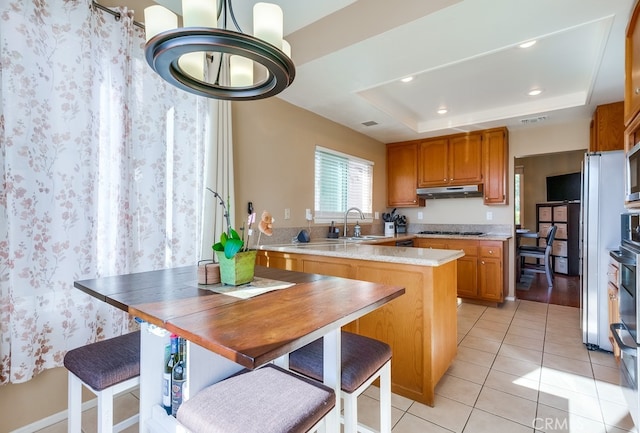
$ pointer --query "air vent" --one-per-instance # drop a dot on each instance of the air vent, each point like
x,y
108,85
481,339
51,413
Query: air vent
x,y
370,123
532,120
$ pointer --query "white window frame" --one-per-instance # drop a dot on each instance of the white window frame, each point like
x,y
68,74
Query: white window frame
x,y
326,216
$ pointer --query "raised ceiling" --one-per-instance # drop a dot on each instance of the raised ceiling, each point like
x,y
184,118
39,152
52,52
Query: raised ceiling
x,y
463,54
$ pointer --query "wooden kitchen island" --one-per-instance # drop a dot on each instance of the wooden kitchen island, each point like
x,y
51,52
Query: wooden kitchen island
x,y
420,327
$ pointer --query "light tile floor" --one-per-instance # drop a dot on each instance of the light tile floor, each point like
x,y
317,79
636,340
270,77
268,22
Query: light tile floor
x,y
521,367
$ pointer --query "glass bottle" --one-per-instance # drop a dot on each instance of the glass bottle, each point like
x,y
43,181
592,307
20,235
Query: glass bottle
x,y
179,377
171,358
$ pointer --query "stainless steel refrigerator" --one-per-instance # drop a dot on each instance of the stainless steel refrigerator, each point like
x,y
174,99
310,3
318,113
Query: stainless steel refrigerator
x,y
601,205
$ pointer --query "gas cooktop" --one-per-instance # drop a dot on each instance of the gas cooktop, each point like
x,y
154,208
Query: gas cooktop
x,y
436,232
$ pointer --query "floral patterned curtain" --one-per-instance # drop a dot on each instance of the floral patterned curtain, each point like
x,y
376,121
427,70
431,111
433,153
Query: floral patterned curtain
x,y
101,169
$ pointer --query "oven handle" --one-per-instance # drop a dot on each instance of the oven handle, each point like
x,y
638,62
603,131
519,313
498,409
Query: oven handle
x,y
620,258
624,347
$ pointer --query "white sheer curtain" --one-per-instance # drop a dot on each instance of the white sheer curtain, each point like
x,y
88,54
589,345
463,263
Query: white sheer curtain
x,y
220,174
101,165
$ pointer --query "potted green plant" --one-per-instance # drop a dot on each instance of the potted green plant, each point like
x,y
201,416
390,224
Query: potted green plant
x,y
237,261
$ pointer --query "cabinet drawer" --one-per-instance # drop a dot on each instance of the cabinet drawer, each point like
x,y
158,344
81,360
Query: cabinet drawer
x,y
612,274
559,248
561,265
544,213
490,251
560,214
561,231
470,248
543,228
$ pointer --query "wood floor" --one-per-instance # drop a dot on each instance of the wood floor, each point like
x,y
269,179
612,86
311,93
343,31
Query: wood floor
x,y
565,290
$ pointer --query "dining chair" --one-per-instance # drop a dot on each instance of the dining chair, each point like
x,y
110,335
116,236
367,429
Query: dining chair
x,y
542,254
363,360
106,368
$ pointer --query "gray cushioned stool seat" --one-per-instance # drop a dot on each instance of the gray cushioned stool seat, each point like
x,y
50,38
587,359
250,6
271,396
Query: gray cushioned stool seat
x,y
361,358
107,362
266,400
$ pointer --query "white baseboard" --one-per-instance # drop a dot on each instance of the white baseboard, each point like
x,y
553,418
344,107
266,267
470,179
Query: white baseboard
x,y
53,419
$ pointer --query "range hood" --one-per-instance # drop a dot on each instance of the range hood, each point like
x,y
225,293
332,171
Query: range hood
x,y
450,192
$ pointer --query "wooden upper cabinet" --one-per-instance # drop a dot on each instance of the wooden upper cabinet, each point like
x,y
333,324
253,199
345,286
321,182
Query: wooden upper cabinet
x,y
433,164
607,128
465,162
454,160
402,172
495,154
632,67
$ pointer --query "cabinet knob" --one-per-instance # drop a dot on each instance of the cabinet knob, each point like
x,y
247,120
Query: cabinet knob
x,y
482,262
637,90
445,179
490,251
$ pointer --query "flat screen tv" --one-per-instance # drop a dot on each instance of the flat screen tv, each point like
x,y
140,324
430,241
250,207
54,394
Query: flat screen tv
x,y
564,187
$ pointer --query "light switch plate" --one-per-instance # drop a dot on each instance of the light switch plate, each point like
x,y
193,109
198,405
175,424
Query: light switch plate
x,y
287,213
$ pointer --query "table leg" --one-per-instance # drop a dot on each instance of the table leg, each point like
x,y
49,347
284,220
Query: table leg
x,y
331,365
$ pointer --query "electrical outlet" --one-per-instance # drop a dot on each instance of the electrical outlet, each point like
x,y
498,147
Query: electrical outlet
x,y
376,215
489,216
420,215
287,213
307,214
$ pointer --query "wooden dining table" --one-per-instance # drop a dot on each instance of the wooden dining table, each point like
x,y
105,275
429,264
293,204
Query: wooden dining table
x,y
225,334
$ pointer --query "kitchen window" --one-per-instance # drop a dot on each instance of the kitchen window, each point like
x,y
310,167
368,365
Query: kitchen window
x,y
342,181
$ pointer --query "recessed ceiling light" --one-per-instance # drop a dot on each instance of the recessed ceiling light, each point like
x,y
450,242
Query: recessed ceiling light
x,y
535,92
528,44
442,110
406,79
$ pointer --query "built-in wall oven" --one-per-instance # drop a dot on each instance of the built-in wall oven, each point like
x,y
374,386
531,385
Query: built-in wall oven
x,y
626,332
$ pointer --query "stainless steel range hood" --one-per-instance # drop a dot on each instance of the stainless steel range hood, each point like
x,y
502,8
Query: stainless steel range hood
x,y
450,192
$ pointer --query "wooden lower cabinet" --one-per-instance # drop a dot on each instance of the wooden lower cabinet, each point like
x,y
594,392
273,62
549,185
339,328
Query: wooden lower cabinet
x,y
482,272
420,326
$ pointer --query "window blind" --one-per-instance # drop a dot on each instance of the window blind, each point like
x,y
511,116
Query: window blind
x,y
341,181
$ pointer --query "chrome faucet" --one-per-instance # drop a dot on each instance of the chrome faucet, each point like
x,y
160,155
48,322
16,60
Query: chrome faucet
x,y
345,218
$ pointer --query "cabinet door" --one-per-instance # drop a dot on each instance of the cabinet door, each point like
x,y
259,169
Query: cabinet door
x,y
632,67
490,279
468,277
402,171
495,153
465,159
467,267
614,315
607,128
433,162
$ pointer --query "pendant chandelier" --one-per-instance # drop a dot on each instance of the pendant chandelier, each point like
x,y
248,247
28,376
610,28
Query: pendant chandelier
x,y
193,57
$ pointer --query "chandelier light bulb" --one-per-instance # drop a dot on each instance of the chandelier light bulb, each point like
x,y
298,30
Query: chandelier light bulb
x,y
241,71
267,23
158,19
199,13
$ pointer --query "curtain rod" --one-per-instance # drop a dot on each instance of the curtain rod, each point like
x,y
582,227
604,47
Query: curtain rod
x,y
114,13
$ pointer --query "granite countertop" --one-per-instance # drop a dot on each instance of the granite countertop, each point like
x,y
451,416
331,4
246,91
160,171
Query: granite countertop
x,y
484,237
368,250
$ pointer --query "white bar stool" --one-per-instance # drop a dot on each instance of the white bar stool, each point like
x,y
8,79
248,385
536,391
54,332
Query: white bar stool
x,y
106,368
363,360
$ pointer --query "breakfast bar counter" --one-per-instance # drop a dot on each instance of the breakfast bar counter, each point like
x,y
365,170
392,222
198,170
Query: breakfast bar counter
x,y
420,326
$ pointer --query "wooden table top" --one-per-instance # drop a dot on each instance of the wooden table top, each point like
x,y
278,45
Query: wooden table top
x,y
250,331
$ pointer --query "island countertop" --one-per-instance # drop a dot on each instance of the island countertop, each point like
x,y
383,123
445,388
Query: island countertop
x,y
370,251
